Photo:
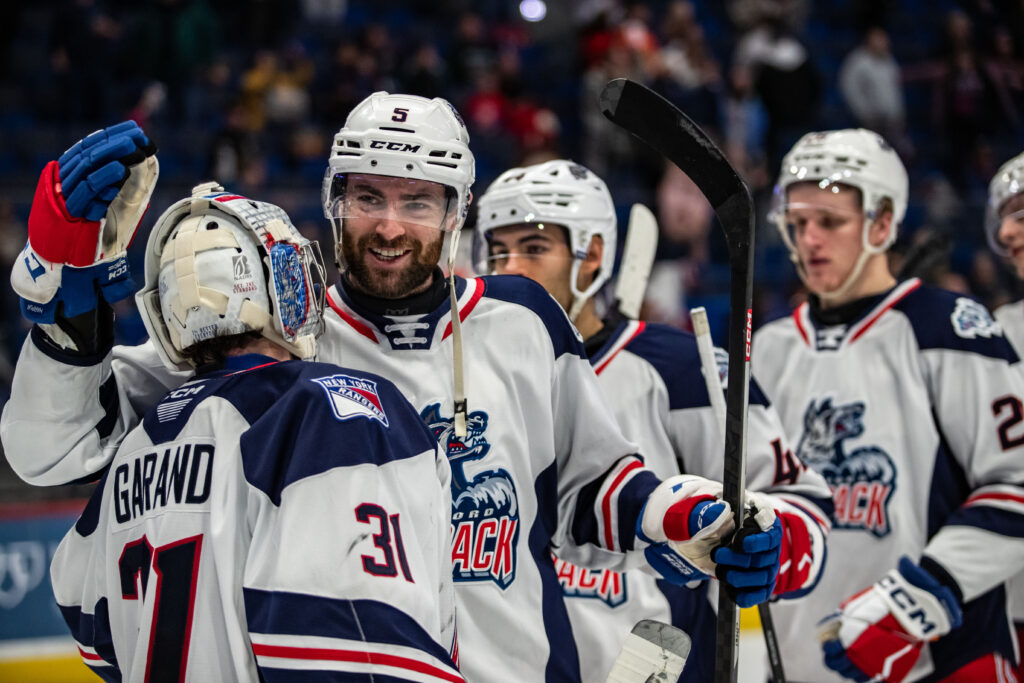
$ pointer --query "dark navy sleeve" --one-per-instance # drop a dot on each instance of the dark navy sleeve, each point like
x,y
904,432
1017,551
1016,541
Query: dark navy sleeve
x,y
949,320
674,355
521,290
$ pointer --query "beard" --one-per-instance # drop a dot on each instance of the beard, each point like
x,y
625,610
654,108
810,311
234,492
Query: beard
x,y
391,284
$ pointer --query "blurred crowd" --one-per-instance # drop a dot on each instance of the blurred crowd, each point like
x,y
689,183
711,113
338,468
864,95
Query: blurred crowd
x,y
249,92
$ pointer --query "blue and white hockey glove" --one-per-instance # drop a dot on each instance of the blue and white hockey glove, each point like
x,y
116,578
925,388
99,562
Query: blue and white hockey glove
x,y
877,634
749,564
684,519
87,207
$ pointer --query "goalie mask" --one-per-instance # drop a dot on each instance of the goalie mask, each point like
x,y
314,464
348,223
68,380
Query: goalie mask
x,y
218,264
1006,184
423,141
560,193
851,158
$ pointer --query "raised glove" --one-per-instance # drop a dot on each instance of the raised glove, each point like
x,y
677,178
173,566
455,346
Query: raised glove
x,y
878,633
748,565
87,207
684,520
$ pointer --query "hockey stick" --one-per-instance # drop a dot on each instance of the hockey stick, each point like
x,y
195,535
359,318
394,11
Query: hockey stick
x,y
653,651
661,125
709,368
637,257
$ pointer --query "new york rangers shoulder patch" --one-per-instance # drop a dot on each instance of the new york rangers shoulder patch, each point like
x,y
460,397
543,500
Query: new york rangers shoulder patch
x,y
353,397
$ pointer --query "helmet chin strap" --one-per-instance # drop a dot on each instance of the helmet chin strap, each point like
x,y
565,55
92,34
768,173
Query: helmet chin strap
x,y
866,252
579,299
461,409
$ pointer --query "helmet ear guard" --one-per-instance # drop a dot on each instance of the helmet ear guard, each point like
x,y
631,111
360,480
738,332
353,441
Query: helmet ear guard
x,y
218,265
559,192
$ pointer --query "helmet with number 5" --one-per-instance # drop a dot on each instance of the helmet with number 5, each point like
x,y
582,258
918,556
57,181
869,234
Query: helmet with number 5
x,y
401,136
559,192
856,158
218,265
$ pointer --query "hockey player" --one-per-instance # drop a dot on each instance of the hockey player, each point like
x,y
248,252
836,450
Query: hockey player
x,y
907,399
537,462
1004,227
192,559
555,223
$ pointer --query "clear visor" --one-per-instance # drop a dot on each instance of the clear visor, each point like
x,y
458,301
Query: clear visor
x,y
299,287
366,197
796,218
533,242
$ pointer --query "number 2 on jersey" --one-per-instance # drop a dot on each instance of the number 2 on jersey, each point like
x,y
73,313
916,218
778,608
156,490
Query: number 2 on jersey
x,y
176,566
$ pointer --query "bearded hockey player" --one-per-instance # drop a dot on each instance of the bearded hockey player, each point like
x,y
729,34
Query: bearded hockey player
x,y
907,399
537,461
1004,227
555,223
192,560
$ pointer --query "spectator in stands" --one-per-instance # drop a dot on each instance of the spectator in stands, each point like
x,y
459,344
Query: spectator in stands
x,y
869,80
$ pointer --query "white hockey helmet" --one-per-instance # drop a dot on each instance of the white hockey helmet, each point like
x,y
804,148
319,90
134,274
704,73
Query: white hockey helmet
x,y
218,264
401,136
559,192
1005,184
854,157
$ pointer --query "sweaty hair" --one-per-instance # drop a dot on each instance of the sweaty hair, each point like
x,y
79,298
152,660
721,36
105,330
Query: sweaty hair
x,y
216,350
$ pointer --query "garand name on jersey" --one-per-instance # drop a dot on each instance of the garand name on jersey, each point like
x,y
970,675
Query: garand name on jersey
x,y
176,474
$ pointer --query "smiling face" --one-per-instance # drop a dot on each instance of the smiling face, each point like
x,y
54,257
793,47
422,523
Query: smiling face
x,y
1011,231
392,233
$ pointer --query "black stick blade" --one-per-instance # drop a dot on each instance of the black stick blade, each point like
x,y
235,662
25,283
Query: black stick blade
x,y
660,124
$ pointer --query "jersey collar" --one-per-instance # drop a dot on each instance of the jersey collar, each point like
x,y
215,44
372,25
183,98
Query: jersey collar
x,y
624,332
409,331
834,330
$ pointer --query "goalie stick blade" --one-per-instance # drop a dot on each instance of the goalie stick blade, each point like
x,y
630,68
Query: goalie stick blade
x,y
653,653
657,122
637,258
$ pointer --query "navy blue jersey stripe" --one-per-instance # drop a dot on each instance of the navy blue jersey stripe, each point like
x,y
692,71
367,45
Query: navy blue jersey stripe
x,y
276,612
631,503
691,611
940,321
93,630
523,291
90,517
949,488
989,518
563,662
673,354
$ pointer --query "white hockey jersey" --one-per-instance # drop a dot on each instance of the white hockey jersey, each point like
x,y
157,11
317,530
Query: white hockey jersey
x,y
1011,318
913,414
191,561
651,376
543,466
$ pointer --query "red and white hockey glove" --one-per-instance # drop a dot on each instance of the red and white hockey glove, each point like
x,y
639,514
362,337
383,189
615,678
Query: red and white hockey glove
x,y
684,519
877,634
87,207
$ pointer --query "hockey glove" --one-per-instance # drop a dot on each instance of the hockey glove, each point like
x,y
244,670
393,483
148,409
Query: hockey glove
x,y
684,520
87,207
748,565
878,633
